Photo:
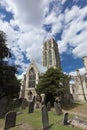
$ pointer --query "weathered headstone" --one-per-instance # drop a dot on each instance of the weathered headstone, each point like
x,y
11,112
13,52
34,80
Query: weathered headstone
x,y
24,104
65,118
37,101
45,119
31,107
30,97
34,100
58,99
38,98
37,105
49,106
10,120
58,109
78,122
3,106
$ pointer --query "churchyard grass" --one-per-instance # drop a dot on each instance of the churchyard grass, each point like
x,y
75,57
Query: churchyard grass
x,y
77,107
34,120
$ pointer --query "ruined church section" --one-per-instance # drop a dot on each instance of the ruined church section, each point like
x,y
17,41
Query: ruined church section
x,y
79,87
50,58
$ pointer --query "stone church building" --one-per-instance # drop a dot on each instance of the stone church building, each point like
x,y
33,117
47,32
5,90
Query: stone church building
x,y
79,87
50,57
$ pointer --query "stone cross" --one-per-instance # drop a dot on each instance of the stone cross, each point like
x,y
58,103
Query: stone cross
x,y
10,120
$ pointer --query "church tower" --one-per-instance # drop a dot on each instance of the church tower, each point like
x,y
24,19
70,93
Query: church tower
x,y
51,54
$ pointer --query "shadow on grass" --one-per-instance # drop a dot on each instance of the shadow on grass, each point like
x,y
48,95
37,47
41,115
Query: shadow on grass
x,y
70,106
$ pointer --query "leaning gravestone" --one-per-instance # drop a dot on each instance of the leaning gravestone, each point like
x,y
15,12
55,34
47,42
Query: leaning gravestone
x,y
65,118
57,107
45,120
10,120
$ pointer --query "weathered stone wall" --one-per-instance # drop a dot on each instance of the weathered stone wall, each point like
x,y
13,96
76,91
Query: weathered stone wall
x,y
79,88
51,54
85,62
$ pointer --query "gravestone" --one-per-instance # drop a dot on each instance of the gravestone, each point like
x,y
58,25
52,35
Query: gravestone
x,y
24,104
30,97
37,105
65,118
45,119
49,106
34,100
10,120
3,106
31,107
57,107
37,102
78,122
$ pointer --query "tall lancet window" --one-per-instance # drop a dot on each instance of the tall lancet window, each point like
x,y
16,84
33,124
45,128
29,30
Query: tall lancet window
x,y
32,78
45,58
50,57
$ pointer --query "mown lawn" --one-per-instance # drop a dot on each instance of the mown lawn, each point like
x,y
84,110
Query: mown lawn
x,y
77,107
34,120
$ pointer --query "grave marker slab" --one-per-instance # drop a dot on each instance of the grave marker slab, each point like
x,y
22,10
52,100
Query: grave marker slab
x,y
78,122
65,118
49,106
3,106
10,120
57,107
24,104
45,119
31,107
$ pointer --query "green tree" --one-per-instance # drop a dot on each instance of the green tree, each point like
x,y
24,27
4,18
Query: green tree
x,y
9,85
53,82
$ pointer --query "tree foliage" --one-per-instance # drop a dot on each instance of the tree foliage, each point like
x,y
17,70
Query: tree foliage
x,y
4,51
9,85
53,81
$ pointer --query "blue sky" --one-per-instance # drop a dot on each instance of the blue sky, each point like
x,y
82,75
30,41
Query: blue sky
x,y
28,24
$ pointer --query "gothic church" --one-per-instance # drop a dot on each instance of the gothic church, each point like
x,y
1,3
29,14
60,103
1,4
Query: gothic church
x,y
50,59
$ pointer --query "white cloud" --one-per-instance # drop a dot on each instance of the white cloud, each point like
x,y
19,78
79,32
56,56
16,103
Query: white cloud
x,y
74,23
29,17
29,12
81,71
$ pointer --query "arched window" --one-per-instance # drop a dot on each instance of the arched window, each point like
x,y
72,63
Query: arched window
x,y
45,58
32,78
